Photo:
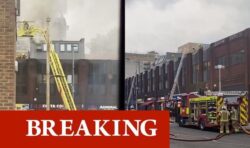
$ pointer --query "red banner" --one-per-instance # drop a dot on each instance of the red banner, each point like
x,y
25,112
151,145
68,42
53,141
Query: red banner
x,y
67,129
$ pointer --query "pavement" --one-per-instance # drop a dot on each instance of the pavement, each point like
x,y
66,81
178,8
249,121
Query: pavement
x,y
247,127
239,140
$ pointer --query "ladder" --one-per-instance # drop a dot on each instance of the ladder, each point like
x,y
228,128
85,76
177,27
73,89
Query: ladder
x,y
226,93
55,64
130,93
61,82
177,75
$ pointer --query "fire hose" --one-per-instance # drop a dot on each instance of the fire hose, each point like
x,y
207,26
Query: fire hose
x,y
245,130
196,140
173,137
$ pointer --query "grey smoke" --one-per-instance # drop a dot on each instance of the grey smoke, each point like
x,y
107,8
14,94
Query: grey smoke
x,y
76,19
150,26
94,20
41,9
105,46
159,4
38,11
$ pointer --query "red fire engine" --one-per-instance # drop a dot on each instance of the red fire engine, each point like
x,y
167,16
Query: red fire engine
x,y
203,111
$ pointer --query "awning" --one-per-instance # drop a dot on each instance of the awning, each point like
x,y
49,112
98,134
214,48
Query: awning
x,y
161,101
147,103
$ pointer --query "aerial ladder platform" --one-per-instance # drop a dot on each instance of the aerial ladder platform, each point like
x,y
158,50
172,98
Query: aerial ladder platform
x,y
54,62
177,75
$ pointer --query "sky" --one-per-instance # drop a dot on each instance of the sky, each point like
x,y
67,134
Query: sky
x,y
97,21
164,25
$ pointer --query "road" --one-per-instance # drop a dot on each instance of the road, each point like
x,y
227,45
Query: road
x,y
230,141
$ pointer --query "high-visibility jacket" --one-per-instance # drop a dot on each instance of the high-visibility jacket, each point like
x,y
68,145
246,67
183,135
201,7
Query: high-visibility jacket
x,y
224,115
234,115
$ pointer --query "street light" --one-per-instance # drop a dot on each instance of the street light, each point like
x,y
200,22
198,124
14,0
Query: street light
x,y
219,67
48,68
73,70
35,104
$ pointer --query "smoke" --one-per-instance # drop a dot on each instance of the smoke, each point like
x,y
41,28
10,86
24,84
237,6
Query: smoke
x,y
104,46
149,27
41,9
158,4
38,11
96,21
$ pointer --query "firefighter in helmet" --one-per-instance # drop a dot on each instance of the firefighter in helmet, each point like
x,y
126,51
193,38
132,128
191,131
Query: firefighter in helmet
x,y
234,119
224,119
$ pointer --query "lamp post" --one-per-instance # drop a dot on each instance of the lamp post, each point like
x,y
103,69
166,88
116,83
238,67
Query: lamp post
x,y
219,67
73,71
48,69
35,104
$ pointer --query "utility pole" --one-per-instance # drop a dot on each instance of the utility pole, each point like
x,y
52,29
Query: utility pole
x,y
48,68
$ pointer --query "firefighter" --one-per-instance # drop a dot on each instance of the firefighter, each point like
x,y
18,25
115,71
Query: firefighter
x,y
224,119
234,119
26,26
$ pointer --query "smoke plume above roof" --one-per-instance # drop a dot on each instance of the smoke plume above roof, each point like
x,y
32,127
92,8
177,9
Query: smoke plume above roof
x,y
76,19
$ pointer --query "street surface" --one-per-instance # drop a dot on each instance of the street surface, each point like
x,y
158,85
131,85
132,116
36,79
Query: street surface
x,y
230,141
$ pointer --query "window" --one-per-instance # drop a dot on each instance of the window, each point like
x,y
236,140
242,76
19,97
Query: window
x,y
237,57
75,78
75,47
183,101
69,47
44,47
142,83
206,66
69,79
149,81
166,83
195,73
39,47
153,80
62,47
138,84
222,61
183,76
21,89
166,68
41,78
53,89
41,88
52,46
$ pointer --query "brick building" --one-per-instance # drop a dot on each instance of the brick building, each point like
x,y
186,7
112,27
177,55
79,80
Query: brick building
x,y
232,52
89,76
198,71
7,54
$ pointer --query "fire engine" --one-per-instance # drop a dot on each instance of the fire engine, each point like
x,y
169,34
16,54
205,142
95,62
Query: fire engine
x,y
203,111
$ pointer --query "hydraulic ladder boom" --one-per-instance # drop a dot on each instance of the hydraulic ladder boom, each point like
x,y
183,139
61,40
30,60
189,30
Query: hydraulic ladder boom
x,y
61,81
55,65
177,75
